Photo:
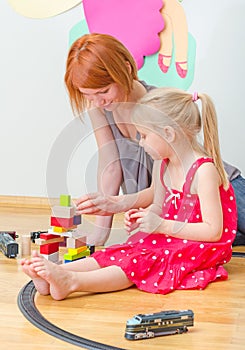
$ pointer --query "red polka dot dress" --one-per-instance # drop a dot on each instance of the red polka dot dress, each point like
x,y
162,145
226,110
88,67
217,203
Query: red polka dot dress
x,y
158,263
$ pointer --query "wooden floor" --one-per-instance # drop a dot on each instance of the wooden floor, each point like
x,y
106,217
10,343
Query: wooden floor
x,y
219,310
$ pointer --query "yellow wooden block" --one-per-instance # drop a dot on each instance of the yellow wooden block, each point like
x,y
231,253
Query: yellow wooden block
x,y
71,257
76,250
59,229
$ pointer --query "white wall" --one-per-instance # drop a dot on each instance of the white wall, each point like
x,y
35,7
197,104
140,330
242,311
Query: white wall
x,y
218,27
36,119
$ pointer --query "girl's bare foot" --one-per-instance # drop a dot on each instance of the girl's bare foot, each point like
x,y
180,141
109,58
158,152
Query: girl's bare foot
x,y
41,285
60,281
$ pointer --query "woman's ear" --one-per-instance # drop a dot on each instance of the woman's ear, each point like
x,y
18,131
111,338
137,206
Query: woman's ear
x,y
129,67
169,134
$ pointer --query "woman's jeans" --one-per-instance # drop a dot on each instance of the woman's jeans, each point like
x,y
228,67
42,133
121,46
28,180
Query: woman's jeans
x,y
239,188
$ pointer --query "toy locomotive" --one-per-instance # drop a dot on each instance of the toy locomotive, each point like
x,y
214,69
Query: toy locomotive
x,y
156,324
8,246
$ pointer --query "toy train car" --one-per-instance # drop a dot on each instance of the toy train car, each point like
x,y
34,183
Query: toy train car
x,y
157,324
8,246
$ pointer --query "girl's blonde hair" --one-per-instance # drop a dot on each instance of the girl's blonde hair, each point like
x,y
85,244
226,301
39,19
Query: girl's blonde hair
x,y
95,61
178,108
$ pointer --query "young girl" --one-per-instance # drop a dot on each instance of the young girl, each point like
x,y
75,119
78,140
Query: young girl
x,y
186,235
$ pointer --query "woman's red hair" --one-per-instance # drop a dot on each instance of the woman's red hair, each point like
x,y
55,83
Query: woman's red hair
x,y
96,61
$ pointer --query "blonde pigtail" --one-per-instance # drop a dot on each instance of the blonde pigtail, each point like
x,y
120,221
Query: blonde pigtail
x,y
211,137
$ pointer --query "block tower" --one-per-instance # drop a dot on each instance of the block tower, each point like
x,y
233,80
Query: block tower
x,y
64,223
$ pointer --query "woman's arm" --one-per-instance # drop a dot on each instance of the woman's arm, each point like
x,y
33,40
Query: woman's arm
x,y
109,173
101,204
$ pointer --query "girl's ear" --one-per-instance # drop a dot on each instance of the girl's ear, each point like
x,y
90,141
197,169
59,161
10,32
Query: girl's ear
x,y
169,134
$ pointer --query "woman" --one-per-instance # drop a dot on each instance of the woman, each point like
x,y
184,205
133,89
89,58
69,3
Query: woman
x,y
101,77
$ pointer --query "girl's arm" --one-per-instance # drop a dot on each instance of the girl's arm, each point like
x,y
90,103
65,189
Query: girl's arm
x,y
206,183
154,205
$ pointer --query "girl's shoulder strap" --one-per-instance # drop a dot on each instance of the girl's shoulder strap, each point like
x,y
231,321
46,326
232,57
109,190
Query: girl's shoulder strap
x,y
192,171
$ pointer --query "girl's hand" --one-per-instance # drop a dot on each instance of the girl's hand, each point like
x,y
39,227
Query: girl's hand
x,y
130,223
147,220
97,204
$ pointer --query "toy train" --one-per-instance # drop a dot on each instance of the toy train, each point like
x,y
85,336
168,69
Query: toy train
x,y
8,246
156,324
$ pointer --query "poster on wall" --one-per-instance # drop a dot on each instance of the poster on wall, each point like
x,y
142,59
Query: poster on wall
x,y
154,31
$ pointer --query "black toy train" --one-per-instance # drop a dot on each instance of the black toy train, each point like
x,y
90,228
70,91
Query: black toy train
x,y
168,322
8,246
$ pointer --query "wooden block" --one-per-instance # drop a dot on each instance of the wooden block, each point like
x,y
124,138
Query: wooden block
x,y
74,251
25,245
48,236
75,242
77,219
60,211
40,241
59,229
49,248
52,257
63,244
61,222
65,200
72,257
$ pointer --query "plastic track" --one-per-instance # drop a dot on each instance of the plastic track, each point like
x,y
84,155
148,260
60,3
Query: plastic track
x,y
238,254
28,308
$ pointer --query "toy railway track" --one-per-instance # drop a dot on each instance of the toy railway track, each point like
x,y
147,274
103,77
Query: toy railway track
x,y
238,254
28,308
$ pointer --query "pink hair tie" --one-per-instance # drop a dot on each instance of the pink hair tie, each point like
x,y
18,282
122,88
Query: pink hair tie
x,y
195,96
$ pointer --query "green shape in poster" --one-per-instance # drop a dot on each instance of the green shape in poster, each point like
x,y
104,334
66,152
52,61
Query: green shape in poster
x,y
78,30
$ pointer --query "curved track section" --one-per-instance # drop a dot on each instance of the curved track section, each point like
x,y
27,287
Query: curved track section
x,y
27,306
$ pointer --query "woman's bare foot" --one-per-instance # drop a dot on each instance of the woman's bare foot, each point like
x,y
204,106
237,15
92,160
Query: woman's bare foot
x,y
60,281
41,285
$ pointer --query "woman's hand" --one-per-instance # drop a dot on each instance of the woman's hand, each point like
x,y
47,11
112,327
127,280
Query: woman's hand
x,y
146,220
97,204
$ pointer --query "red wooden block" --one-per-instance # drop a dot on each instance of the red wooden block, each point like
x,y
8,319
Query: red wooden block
x,y
47,236
49,248
61,222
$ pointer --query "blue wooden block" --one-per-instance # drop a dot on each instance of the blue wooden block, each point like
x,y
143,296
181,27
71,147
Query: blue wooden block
x,y
77,219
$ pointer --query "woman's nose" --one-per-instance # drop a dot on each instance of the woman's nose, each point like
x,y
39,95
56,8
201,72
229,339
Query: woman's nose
x,y
99,101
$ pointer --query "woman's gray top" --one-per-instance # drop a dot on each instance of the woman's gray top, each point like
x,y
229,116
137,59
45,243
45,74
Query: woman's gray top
x,y
136,164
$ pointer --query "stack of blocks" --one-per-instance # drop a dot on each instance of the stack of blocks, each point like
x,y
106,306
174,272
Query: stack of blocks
x,y
63,229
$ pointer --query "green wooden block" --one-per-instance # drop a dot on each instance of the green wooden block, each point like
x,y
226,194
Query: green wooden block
x,y
65,200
